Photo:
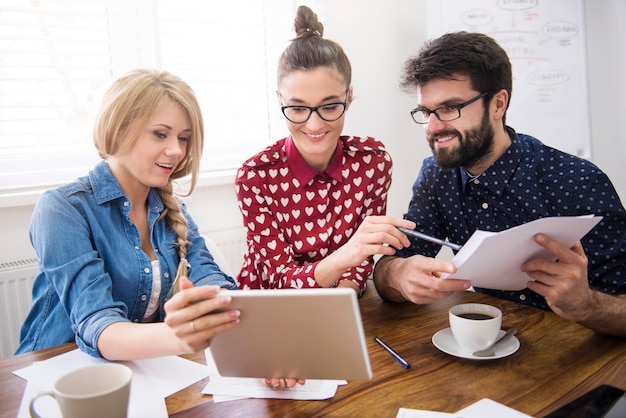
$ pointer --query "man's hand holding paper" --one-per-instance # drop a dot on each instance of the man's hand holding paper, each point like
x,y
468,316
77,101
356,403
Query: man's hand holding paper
x,y
493,260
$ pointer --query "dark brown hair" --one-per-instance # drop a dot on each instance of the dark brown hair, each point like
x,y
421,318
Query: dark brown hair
x,y
310,50
454,54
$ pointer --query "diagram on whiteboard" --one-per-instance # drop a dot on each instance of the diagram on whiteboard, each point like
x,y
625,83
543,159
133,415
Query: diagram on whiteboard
x,y
545,41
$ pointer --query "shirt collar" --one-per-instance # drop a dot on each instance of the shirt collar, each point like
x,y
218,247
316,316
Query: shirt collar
x,y
497,177
106,188
304,172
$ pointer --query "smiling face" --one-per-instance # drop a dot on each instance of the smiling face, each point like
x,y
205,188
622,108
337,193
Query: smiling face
x,y
315,139
465,142
153,157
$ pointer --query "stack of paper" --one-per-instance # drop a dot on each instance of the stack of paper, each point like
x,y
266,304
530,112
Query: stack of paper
x,y
153,381
231,388
485,408
493,260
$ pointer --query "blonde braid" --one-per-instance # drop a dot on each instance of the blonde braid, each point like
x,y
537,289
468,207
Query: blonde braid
x,y
177,222
125,110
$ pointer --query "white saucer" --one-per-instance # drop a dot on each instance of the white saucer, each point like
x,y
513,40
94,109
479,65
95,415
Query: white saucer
x,y
444,340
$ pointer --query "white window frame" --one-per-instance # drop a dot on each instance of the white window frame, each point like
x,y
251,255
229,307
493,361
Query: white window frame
x,y
20,184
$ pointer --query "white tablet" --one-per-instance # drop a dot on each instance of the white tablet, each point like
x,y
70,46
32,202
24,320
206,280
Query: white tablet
x,y
301,333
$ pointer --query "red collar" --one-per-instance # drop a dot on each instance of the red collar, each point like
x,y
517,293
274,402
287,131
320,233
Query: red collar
x,y
304,172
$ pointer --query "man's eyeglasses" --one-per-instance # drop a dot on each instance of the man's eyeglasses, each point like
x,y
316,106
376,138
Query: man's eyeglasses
x,y
329,112
444,113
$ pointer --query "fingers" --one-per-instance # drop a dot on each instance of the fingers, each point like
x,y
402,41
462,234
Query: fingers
x,y
572,262
278,383
193,305
197,314
185,283
201,339
420,279
190,295
428,265
561,252
292,382
433,289
213,322
381,231
563,283
390,220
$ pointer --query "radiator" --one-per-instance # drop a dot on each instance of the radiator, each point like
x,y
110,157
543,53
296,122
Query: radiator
x,y
16,281
232,244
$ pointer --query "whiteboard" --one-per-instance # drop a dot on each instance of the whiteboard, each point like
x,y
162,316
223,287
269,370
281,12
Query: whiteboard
x,y
545,41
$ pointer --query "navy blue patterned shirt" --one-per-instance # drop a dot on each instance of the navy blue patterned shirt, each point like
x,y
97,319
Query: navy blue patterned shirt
x,y
529,181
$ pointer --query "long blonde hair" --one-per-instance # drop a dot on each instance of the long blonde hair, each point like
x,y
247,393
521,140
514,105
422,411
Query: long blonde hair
x,y
134,98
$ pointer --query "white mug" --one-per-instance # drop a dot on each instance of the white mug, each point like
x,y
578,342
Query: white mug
x,y
102,390
475,326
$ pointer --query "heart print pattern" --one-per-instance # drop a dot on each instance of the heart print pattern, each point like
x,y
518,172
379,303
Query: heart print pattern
x,y
292,226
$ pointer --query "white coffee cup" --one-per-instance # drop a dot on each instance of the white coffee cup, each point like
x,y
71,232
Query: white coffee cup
x,y
102,390
475,326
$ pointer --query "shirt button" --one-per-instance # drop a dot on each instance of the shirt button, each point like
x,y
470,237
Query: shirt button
x,y
522,297
137,247
476,181
485,206
126,203
143,297
146,270
166,275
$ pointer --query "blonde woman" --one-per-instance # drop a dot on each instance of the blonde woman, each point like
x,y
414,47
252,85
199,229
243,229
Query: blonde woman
x,y
123,270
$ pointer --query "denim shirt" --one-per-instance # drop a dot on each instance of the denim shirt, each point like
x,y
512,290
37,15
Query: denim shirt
x,y
93,271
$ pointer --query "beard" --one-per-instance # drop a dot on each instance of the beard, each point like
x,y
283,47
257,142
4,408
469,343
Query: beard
x,y
474,145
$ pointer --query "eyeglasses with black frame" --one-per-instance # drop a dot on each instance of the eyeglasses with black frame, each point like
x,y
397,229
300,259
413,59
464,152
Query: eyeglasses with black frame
x,y
328,112
446,113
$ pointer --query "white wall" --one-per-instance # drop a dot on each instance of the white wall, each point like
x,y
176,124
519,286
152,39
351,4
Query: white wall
x,y
378,35
378,38
606,63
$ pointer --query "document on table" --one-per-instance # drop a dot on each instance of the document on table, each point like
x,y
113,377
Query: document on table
x,y
153,380
492,260
231,388
485,408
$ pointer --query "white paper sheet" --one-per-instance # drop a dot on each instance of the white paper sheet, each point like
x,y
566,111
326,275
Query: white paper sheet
x,y
485,408
153,380
492,260
418,413
230,388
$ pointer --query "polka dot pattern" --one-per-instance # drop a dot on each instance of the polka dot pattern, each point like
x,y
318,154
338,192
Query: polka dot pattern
x,y
529,181
291,226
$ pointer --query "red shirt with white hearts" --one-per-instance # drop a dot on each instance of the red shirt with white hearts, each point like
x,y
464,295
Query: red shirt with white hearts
x,y
295,215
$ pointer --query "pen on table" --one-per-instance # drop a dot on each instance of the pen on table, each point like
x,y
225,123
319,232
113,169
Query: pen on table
x,y
395,355
416,234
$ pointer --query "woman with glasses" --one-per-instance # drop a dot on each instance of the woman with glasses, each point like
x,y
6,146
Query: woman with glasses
x,y
314,202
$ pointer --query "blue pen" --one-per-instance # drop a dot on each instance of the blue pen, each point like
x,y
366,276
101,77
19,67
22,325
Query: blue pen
x,y
416,234
395,355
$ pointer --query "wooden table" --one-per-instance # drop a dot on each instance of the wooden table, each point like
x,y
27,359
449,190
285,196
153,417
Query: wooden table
x,y
558,360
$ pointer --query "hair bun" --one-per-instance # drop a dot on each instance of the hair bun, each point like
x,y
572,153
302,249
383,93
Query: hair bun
x,y
309,30
306,23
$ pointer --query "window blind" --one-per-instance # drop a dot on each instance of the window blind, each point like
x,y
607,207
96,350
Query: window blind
x,y
57,57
